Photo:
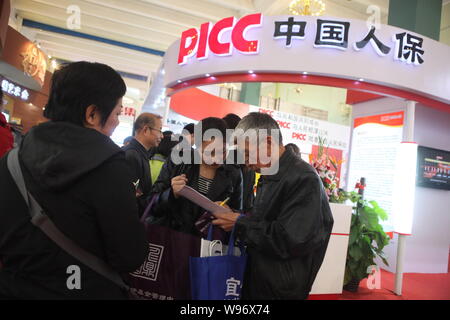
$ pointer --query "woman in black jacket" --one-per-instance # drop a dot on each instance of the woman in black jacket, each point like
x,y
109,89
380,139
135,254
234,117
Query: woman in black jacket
x,y
203,173
81,180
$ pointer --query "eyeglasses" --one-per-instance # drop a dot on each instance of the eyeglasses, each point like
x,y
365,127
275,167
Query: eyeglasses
x,y
160,132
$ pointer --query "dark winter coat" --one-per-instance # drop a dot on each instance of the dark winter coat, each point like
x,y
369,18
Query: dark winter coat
x,y
138,160
287,232
181,214
81,180
248,183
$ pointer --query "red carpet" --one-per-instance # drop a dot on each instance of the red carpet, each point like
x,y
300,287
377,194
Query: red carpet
x,y
416,286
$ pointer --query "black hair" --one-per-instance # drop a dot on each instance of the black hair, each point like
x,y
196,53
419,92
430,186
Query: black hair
x,y
78,85
232,120
190,128
293,147
166,145
213,123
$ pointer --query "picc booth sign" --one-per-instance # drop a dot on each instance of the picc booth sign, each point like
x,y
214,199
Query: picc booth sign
x,y
388,57
328,34
208,39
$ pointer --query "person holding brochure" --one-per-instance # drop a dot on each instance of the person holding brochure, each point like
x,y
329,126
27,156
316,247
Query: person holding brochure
x,y
204,172
289,226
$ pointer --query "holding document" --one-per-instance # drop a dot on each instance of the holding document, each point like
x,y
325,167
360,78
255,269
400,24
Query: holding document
x,y
211,179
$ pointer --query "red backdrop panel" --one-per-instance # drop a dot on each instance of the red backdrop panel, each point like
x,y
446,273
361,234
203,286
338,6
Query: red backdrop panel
x,y
354,96
198,104
335,153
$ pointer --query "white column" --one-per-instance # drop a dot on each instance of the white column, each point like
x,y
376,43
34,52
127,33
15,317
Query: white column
x,y
166,111
408,136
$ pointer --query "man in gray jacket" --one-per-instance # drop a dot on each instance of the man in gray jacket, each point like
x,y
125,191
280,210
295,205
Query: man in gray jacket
x,y
288,229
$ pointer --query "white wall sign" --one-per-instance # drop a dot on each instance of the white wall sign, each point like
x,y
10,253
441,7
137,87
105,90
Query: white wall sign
x,y
342,48
328,34
305,131
125,127
176,122
374,155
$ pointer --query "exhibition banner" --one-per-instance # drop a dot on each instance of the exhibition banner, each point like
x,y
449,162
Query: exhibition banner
x,y
374,151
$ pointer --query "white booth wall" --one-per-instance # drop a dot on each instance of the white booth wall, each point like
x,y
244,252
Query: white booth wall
x,y
427,249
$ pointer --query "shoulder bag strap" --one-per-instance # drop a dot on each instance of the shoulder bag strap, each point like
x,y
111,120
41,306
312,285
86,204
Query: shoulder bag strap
x,y
43,222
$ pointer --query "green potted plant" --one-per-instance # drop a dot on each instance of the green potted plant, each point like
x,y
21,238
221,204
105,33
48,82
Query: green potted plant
x,y
366,242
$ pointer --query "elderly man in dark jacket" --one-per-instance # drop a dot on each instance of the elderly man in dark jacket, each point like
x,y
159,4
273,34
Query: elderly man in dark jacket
x,y
288,229
147,135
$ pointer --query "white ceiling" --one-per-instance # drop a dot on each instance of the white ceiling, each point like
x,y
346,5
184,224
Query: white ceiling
x,y
152,24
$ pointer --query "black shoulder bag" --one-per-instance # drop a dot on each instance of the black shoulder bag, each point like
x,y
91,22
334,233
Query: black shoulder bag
x,y
43,222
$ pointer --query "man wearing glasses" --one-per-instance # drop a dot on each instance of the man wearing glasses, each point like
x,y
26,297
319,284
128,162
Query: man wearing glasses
x,y
146,135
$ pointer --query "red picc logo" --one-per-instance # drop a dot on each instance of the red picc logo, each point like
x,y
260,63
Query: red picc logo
x,y
208,38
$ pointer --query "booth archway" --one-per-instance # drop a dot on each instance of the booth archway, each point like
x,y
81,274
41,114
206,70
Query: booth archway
x,y
342,53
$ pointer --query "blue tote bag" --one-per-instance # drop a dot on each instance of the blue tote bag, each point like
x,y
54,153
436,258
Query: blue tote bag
x,y
218,277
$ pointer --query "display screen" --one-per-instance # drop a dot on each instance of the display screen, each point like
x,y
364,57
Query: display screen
x,y
433,168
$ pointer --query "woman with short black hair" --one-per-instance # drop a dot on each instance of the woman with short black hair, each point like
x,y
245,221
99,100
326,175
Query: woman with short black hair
x,y
81,180
202,169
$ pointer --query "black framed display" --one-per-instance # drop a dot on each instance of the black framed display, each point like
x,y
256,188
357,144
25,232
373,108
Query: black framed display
x,y
433,168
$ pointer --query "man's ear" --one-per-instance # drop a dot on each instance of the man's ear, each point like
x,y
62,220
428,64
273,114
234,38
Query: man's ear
x,y
91,116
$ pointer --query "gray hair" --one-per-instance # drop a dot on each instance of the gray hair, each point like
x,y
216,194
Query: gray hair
x,y
260,121
145,119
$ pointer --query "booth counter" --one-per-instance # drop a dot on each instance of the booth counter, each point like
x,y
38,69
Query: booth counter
x,y
330,278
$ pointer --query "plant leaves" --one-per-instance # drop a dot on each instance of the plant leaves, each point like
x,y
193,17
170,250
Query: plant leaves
x,y
353,237
367,237
355,252
380,212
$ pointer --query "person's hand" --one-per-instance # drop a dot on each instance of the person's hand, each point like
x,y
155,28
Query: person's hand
x,y
223,205
178,183
226,220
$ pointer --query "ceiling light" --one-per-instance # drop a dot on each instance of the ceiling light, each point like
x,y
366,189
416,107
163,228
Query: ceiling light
x,y
307,7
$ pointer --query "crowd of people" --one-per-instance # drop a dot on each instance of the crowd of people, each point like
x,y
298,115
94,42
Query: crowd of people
x,y
96,192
